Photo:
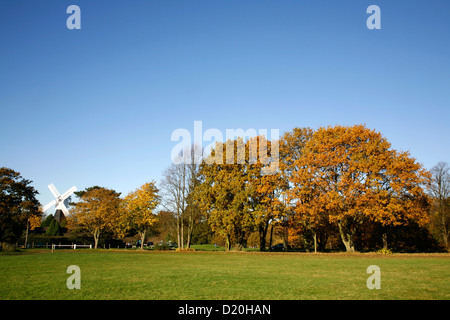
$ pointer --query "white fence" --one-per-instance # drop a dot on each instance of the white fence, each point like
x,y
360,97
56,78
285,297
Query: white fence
x,y
71,246
53,246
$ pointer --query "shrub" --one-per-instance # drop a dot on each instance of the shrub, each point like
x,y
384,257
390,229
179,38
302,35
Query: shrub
x,y
162,247
385,251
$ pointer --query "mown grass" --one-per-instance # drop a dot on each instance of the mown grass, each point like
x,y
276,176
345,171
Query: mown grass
x,y
132,274
207,247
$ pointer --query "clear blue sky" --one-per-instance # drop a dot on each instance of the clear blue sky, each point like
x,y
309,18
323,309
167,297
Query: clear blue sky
x,y
97,106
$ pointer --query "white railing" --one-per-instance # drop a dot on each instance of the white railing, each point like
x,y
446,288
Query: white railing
x,y
71,246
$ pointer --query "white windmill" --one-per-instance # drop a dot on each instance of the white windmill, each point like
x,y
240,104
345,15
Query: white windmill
x,y
60,201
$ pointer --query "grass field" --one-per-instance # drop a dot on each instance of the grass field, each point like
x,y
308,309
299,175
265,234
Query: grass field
x,y
132,274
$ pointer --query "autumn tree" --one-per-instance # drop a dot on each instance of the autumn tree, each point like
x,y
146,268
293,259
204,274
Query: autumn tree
x,y
267,207
292,144
97,211
291,148
18,205
138,209
350,175
399,196
439,189
240,189
33,222
81,193
224,192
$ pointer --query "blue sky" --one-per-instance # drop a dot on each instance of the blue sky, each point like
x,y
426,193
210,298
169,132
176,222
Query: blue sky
x,y
97,106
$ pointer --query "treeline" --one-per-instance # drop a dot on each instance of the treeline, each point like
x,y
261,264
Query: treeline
x,y
334,188
97,211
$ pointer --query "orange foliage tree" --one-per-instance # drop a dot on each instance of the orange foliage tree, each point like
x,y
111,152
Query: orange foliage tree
x,y
240,188
292,144
224,192
97,211
267,185
350,175
138,209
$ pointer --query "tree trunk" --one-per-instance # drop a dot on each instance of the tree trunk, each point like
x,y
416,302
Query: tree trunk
x,y
142,234
445,232
385,243
188,238
228,243
322,239
26,234
285,235
262,236
271,237
181,234
347,239
315,242
190,228
96,236
183,205
178,231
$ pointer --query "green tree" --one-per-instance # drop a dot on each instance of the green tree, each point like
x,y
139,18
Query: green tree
x,y
47,221
53,229
18,204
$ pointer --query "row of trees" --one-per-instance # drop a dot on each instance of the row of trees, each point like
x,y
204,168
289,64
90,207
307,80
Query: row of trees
x,y
344,181
338,182
100,210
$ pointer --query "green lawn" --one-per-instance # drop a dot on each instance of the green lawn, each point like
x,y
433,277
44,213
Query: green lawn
x,y
131,274
207,247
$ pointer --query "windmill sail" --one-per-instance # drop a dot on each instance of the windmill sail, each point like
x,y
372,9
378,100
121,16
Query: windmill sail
x,y
60,201
53,190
